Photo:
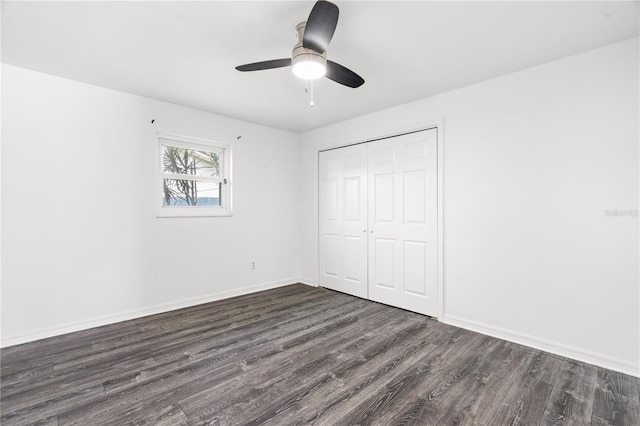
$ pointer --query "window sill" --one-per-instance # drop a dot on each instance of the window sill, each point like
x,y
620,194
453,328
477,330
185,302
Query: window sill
x,y
168,212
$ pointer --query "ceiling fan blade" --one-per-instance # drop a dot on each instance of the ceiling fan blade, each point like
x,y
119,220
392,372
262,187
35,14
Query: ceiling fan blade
x,y
265,65
321,25
343,75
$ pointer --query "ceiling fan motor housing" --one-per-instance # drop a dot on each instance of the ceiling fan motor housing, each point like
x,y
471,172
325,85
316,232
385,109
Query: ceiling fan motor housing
x,y
314,62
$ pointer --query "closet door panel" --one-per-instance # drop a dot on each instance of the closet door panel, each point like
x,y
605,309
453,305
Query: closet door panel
x,y
343,221
329,215
383,262
402,214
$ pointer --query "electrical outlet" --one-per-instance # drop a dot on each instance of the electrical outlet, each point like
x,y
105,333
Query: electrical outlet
x,y
253,264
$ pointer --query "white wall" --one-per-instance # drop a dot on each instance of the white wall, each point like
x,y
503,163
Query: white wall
x,y
81,245
532,161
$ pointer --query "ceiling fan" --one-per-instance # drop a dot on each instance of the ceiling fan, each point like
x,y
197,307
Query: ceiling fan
x,y
309,55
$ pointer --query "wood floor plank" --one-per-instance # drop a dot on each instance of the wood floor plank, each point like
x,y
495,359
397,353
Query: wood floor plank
x,y
616,398
490,385
429,364
170,339
527,398
618,384
309,363
136,402
374,365
26,411
59,347
47,421
614,409
218,354
227,315
162,414
298,355
256,334
16,379
286,411
470,387
571,399
61,380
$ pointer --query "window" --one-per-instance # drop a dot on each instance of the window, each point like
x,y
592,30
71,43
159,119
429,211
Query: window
x,y
194,177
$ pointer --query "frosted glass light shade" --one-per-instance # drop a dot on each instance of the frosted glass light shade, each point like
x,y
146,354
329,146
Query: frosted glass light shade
x,y
309,70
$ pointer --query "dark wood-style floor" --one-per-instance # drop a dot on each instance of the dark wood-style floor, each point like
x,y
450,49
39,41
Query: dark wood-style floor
x,y
300,355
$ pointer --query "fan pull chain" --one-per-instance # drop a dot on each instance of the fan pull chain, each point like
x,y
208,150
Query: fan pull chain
x,y
310,91
311,101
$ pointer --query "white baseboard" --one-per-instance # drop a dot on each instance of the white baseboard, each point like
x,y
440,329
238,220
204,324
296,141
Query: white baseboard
x,y
138,313
308,281
556,348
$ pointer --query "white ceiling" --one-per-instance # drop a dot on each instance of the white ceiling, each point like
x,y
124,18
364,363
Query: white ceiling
x,y
185,52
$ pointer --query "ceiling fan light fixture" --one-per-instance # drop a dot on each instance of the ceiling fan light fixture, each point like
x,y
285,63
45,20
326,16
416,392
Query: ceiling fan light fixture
x,y
309,68
307,63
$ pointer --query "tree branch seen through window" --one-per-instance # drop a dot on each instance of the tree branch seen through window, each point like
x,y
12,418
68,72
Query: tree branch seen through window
x,y
194,163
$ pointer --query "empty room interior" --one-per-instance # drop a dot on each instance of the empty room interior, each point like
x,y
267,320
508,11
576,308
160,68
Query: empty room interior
x,y
320,213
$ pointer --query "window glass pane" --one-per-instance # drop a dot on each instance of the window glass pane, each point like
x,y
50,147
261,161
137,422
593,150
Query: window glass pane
x,y
191,161
178,192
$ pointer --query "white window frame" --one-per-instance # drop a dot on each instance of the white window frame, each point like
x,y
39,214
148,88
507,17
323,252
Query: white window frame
x,y
193,211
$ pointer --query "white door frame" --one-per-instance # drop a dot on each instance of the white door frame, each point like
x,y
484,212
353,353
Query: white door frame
x,y
431,124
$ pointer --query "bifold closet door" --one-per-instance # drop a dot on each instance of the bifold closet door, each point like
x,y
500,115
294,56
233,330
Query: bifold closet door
x,y
402,221
343,220
378,221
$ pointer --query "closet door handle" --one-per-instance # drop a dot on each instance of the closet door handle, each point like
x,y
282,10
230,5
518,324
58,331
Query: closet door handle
x,y
364,230
371,232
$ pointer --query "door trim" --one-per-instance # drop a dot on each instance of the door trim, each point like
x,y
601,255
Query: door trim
x,y
437,124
